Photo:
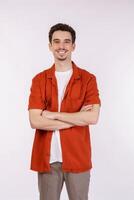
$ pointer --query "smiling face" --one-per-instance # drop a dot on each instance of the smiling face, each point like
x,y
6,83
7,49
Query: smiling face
x,y
61,45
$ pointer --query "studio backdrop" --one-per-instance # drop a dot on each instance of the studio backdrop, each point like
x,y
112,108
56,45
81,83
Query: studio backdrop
x,y
105,47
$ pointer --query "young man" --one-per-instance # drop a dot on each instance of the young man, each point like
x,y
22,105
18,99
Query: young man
x,y
64,101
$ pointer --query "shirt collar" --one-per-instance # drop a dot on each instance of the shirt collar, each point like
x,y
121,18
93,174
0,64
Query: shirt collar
x,y
76,72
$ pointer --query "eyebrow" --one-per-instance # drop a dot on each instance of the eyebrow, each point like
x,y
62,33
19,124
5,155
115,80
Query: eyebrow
x,y
69,40
56,39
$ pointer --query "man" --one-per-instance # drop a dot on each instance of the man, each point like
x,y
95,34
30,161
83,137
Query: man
x,y
64,101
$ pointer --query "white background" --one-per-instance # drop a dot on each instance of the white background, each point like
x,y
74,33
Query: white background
x,y
105,47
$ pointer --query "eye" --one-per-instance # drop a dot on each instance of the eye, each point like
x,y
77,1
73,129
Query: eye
x,y
67,41
56,41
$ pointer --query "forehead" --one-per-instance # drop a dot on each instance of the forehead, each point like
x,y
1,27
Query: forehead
x,y
61,35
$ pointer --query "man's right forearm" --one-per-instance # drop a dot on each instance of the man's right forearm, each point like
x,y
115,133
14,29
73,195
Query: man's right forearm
x,y
42,123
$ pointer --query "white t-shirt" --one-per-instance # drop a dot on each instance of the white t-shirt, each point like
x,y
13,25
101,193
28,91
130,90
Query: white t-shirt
x,y
62,81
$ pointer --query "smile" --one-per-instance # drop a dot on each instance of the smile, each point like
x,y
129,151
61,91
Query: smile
x,y
61,51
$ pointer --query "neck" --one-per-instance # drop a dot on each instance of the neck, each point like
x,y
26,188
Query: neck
x,y
63,65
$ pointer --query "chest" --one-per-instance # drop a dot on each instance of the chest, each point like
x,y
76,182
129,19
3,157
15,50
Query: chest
x,y
73,92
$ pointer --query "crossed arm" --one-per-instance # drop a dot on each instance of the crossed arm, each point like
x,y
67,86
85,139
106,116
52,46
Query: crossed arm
x,y
46,120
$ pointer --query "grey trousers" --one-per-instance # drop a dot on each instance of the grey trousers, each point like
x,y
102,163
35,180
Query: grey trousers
x,y
50,184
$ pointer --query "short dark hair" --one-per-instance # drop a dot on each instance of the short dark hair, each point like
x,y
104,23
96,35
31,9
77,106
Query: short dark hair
x,y
62,27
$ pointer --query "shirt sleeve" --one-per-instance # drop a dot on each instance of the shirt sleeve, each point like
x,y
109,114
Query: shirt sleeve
x,y
92,93
36,100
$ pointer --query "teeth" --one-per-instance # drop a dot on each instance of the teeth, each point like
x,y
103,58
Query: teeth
x,y
61,51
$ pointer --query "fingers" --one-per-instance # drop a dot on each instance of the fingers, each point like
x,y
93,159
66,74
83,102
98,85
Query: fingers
x,y
86,108
44,113
48,114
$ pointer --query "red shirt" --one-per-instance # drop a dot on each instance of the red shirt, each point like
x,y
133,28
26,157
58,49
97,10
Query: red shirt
x,y
75,142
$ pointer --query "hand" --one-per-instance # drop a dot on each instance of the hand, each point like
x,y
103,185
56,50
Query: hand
x,y
86,108
49,114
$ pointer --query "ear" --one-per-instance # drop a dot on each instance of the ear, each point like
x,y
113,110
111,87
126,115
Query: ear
x,y
50,46
74,45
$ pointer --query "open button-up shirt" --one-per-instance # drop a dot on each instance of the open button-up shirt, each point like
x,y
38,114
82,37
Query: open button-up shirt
x,y
75,142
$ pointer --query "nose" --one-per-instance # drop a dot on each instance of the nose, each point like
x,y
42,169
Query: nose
x,y
61,45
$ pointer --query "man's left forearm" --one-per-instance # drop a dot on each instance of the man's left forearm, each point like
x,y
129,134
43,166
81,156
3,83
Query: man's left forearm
x,y
83,118
78,118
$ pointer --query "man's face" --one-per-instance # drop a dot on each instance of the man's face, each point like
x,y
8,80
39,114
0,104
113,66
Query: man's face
x,y
61,45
